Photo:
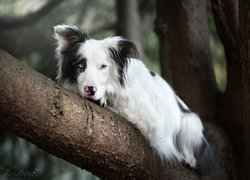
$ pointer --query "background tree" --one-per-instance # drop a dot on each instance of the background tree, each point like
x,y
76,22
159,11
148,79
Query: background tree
x,y
182,27
244,39
128,22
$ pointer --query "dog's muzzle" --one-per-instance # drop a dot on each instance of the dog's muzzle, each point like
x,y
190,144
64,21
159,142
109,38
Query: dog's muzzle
x,y
90,90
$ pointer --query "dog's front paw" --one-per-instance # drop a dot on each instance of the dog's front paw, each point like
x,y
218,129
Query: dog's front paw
x,y
103,102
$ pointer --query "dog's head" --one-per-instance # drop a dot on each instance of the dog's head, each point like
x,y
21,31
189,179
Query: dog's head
x,y
86,65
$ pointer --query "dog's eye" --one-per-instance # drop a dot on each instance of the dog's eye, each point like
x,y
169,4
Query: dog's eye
x,y
80,65
103,66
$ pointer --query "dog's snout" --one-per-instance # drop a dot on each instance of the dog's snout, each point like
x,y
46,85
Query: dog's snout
x,y
90,90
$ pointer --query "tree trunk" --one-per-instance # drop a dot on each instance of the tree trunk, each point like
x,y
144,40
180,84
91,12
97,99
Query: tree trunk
x,y
128,22
37,109
231,114
181,26
244,42
182,30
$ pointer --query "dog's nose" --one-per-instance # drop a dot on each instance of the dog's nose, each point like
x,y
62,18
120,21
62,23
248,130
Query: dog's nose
x,y
90,90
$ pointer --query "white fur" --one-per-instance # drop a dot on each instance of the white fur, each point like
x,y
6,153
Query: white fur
x,y
147,102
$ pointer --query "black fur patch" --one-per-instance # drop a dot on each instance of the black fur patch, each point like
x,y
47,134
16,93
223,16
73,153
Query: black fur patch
x,y
121,55
152,73
74,36
183,109
78,69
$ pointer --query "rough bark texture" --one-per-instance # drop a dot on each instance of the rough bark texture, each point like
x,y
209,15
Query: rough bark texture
x,y
182,26
244,41
93,138
37,109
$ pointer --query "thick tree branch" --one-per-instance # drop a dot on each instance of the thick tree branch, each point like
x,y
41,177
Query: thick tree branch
x,y
37,109
6,22
93,138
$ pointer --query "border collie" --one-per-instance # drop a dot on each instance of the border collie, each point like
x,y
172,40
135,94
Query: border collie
x,y
108,71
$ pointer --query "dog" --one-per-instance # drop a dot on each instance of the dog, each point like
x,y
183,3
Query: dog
x,y
108,71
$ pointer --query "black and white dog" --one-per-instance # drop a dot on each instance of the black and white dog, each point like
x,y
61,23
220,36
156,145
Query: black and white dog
x,y
107,71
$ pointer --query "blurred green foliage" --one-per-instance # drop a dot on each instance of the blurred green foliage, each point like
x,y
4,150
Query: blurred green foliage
x,y
34,46
217,51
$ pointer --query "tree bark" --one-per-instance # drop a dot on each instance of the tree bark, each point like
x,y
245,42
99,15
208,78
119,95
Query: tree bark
x,y
231,114
244,43
37,109
181,26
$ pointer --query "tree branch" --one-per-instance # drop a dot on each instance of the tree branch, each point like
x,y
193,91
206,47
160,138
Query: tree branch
x,y
37,109
6,22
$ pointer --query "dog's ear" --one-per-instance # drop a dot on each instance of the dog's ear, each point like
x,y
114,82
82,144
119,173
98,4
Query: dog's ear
x,y
69,35
121,50
127,49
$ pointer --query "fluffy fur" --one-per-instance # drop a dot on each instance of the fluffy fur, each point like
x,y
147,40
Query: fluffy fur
x,y
108,71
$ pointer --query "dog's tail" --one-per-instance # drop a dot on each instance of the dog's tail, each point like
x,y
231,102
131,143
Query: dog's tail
x,y
193,145
189,138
